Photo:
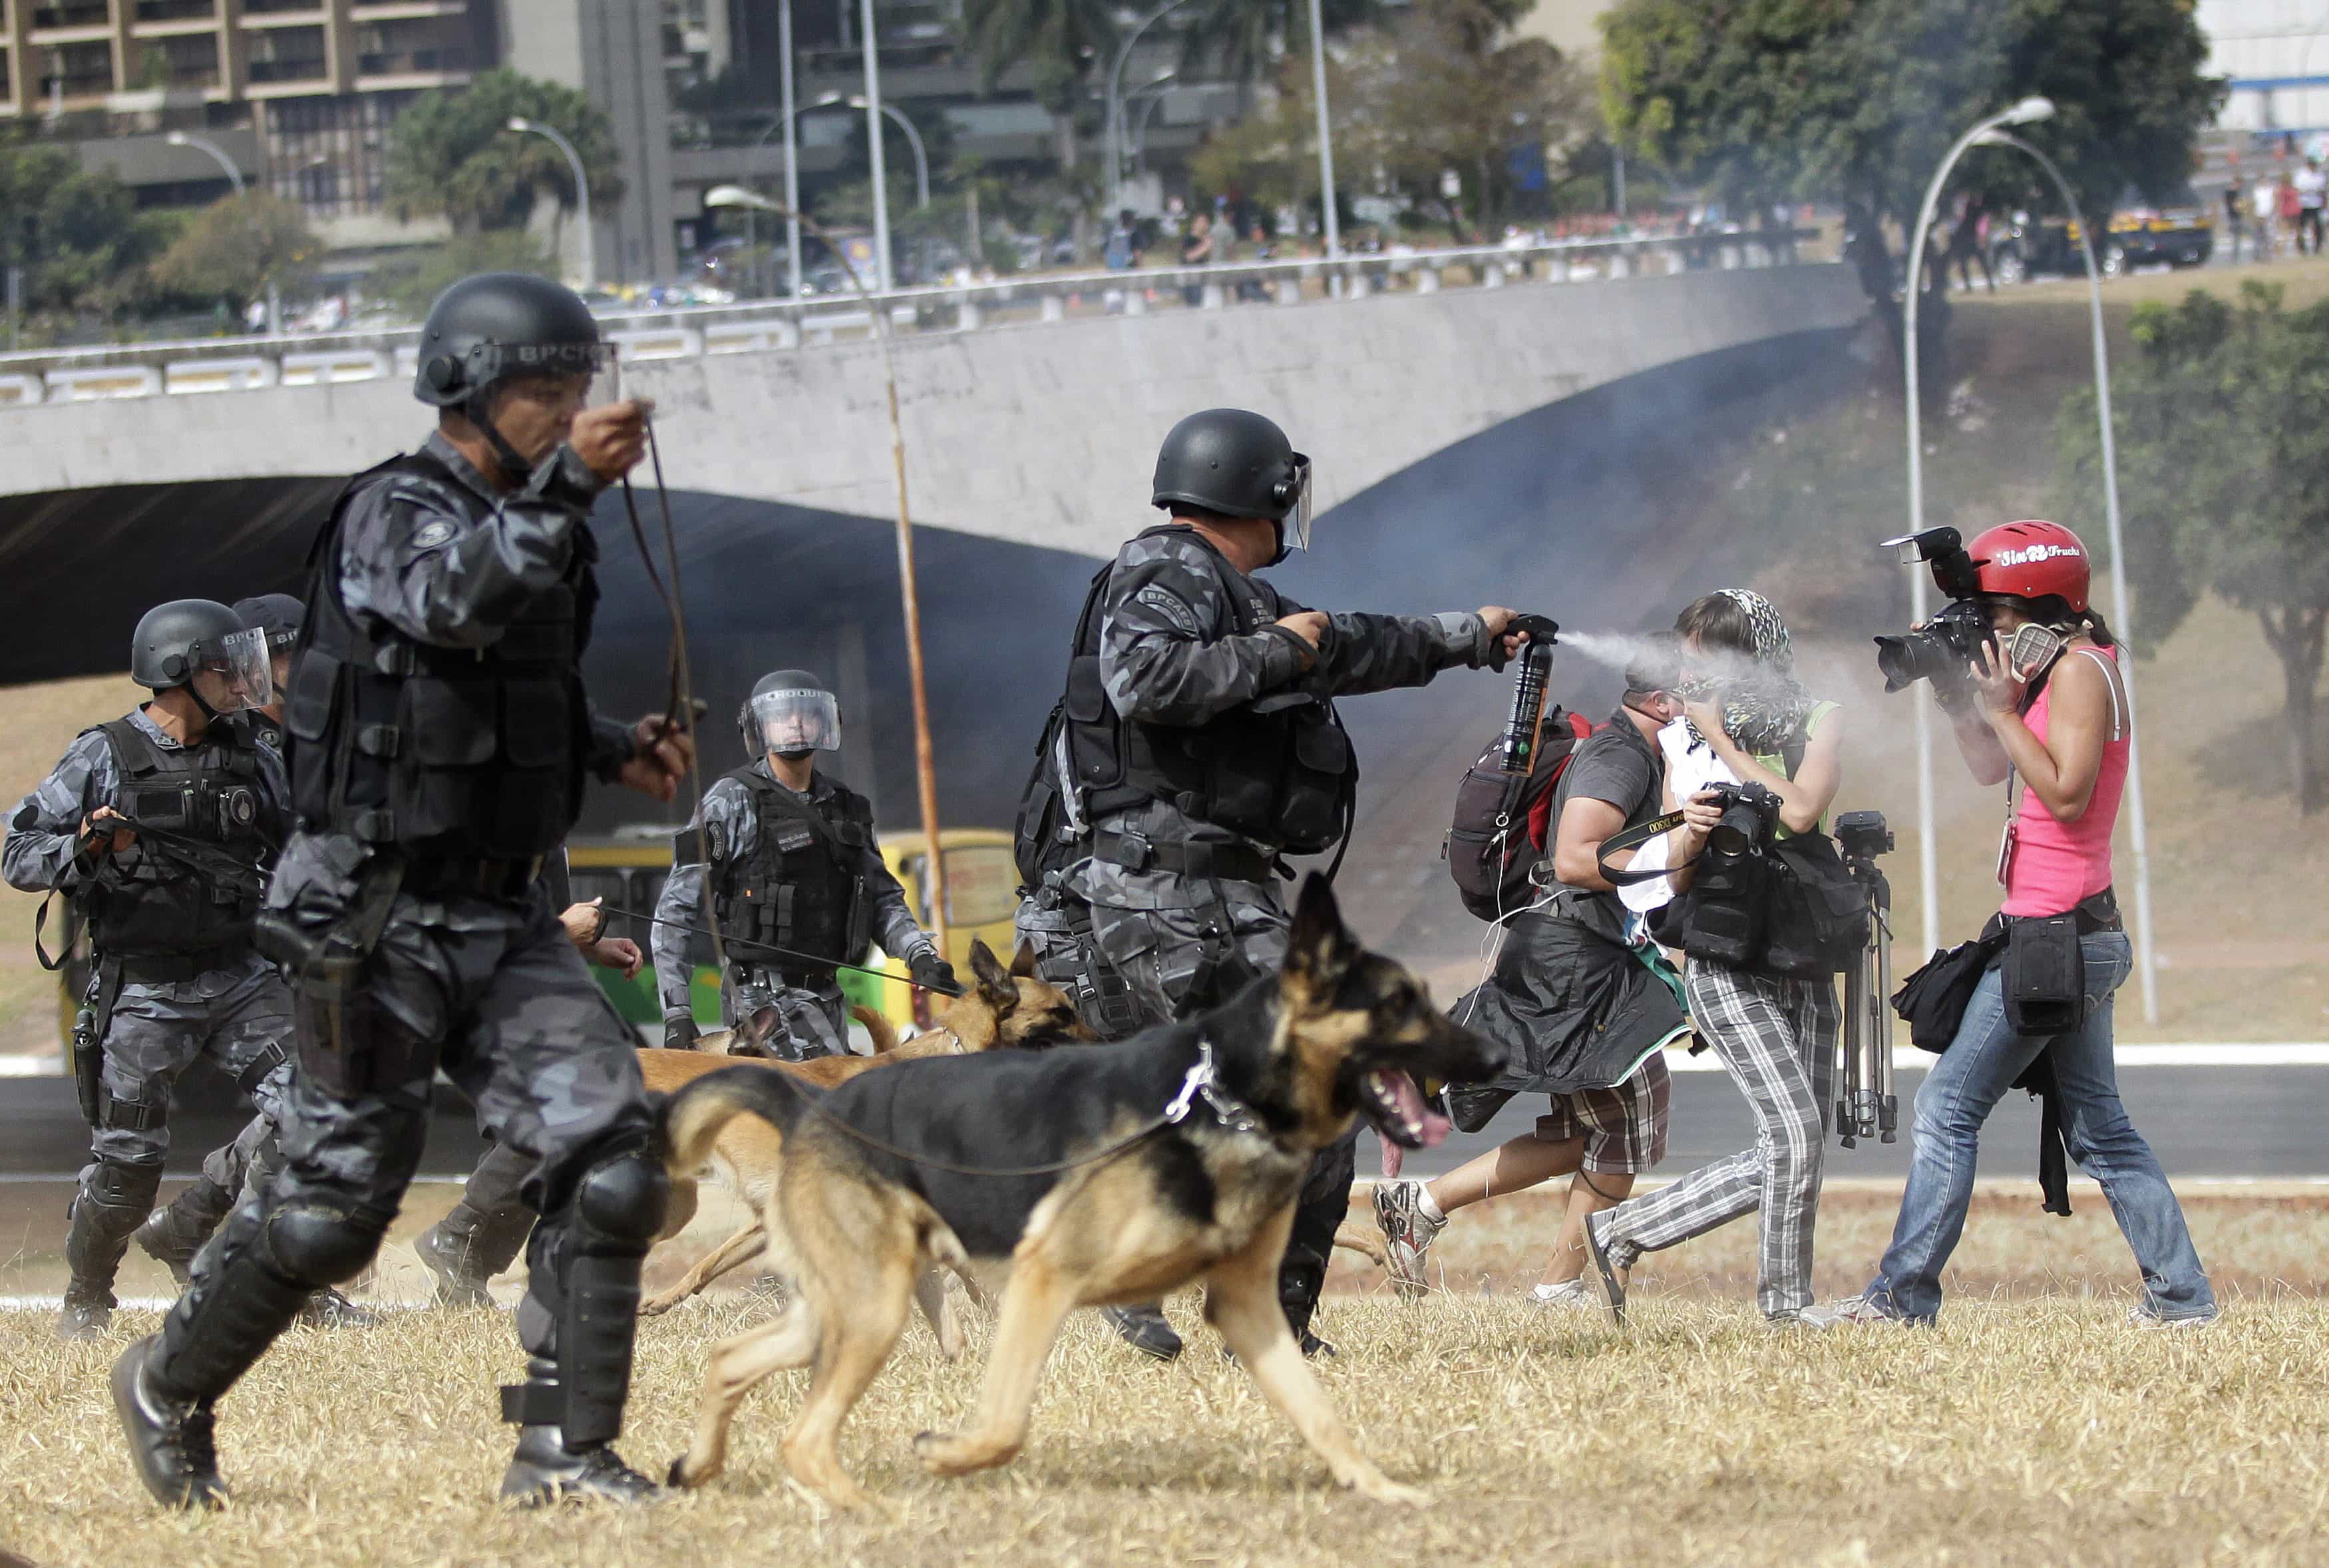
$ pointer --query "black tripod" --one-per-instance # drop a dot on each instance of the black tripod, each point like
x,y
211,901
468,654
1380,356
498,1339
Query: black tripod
x,y
1865,1103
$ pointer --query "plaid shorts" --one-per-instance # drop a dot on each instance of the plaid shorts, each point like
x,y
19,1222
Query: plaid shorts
x,y
1624,1127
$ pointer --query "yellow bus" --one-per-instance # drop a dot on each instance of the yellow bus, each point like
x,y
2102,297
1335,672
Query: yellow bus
x,y
627,870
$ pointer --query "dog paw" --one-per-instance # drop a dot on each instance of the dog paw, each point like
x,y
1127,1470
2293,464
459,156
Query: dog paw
x,y
1383,1490
681,1479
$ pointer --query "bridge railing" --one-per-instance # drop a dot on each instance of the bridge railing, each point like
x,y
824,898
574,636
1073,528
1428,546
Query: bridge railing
x,y
197,366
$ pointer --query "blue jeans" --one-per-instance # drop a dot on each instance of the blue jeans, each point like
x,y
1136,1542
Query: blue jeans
x,y
1958,1096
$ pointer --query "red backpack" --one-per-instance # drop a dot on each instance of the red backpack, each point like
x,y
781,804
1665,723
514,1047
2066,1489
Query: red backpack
x,y
1504,821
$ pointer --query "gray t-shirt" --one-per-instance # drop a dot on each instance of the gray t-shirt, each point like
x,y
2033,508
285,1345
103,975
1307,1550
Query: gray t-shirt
x,y
1616,765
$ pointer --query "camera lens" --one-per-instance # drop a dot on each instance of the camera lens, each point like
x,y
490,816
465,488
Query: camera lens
x,y
1906,659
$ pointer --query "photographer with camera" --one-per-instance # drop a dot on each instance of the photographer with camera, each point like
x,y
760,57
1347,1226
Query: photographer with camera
x,y
1754,764
2040,704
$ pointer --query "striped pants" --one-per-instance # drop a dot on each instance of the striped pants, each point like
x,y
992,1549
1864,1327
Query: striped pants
x,y
1778,1037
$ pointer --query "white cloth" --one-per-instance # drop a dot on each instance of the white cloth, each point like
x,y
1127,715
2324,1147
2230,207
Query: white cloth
x,y
2310,183
2265,202
1690,766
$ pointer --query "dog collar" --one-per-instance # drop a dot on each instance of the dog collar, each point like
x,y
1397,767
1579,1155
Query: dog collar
x,y
1203,1080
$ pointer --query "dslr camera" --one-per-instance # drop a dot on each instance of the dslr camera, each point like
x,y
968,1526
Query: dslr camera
x,y
1940,649
1751,816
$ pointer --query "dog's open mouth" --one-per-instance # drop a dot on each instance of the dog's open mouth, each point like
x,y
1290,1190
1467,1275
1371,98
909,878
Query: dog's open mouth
x,y
1396,1106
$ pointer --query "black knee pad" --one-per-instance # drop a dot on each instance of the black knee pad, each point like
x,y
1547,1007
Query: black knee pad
x,y
118,1186
619,1202
312,1246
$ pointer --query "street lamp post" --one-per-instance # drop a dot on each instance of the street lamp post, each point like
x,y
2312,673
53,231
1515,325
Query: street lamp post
x,y
1136,142
1325,134
785,120
792,152
873,146
2122,617
234,178
921,156
908,590
1115,110
1928,854
582,195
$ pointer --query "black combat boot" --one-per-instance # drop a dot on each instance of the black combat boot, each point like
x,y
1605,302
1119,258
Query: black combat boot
x,y
465,1249
545,1471
170,1442
1144,1328
105,1212
328,1309
174,1232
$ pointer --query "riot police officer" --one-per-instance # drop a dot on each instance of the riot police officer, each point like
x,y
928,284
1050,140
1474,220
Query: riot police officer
x,y
173,1234
1196,744
280,617
795,875
168,890
440,739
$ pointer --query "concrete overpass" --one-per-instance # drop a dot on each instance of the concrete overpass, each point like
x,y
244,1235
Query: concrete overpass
x,y
1497,444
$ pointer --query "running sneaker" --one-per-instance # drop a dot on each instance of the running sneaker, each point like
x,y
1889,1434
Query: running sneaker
x,y
1408,1234
1853,1310
2152,1322
1568,1295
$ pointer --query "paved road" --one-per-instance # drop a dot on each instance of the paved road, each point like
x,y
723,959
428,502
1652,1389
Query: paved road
x,y
2258,1121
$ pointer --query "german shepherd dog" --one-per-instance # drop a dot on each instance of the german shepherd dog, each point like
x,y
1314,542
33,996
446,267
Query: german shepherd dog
x,y
1001,1011
1130,1203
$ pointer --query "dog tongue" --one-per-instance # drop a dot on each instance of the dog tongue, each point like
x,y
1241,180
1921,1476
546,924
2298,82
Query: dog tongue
x,y
1413,1108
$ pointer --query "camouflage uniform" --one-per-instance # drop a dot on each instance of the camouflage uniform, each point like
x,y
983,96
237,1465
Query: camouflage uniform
x,y
816,1021
238,1014
483,985
1172,654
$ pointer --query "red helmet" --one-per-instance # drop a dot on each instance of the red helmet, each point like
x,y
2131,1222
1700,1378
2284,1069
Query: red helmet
x,y
2032,560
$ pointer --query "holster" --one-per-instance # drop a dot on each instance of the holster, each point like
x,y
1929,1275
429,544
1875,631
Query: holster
x,y
1103,996
89,1024
340,1047
2044,976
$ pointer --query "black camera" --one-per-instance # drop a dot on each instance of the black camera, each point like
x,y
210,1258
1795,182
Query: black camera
x,y
1863,835
1942,647
1751,816
238,809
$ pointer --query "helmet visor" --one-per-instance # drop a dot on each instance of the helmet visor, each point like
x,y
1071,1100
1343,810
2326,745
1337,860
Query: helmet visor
x,y
802,719
234,673
1298,516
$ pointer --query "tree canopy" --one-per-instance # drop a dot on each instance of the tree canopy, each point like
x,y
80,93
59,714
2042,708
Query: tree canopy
x,y
2224,480
234,248
1857,101
453,152
77,233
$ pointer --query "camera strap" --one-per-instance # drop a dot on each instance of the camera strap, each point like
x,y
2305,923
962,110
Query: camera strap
x,y
1634,839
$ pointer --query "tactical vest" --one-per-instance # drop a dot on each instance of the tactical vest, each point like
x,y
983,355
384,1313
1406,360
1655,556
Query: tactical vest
x,y
802,888
156,902
1279,769
442,753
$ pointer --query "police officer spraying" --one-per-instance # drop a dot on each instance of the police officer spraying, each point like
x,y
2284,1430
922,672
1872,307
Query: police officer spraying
x,y
154,825
1198,741
796,878
439,742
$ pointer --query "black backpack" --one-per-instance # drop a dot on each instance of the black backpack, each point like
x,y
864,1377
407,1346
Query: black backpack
x,y
1503,822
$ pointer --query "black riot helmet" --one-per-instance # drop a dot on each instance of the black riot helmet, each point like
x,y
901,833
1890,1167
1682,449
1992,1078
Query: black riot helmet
x,y
496,325
791,713
278,616
203,646
1237,463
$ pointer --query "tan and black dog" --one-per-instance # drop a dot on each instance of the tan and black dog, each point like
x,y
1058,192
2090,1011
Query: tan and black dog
x,y
1000,1011
1266,1082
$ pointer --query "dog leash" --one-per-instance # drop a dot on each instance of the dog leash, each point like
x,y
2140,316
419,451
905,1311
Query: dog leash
x,y
1202,1080
779,952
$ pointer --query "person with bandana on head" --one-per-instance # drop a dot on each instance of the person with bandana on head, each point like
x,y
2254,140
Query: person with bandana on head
x,y
1746,719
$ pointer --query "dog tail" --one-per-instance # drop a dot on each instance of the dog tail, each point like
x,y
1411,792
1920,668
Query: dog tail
x,y
878,1025
693,1118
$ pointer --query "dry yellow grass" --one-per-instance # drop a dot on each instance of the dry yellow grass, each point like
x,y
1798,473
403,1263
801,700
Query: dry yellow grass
x,y
2030,1430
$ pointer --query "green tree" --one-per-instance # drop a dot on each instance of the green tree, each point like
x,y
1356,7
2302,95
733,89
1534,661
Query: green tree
x,y
1066,44
1242,37
78,234
2224,481
1856,100
453,152
234,248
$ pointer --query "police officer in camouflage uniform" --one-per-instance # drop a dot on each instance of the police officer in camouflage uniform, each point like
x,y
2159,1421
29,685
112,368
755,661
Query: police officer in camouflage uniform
x,y
169,911
1198,742
790,860
440,739
172,1235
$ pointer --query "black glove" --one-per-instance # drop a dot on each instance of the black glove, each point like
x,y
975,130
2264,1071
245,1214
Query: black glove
x,y
679,1032
932,972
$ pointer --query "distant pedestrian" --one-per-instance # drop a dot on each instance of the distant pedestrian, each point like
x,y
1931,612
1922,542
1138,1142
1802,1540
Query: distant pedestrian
x,y
1196,251
2291,207
2264,206
2236,213
2312,188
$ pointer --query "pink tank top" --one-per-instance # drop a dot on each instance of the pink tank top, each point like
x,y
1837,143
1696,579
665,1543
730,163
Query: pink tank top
x,y
2057,865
